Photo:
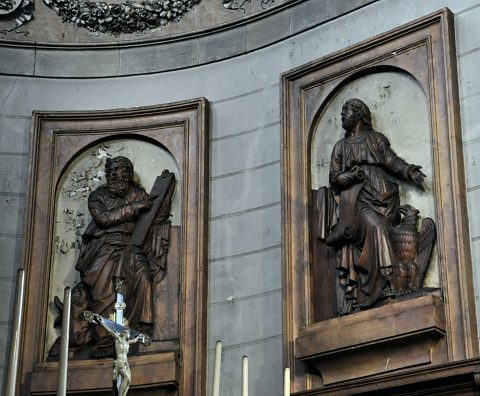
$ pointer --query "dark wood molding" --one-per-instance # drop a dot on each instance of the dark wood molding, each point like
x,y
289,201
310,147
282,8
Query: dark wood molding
x,y
59,137
425,50
380,338
452,379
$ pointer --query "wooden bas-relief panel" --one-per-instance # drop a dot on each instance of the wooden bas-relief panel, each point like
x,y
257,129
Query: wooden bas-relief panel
x,y
118,213
377,267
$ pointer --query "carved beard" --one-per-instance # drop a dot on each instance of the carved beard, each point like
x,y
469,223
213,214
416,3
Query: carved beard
x,y
118,187
349,122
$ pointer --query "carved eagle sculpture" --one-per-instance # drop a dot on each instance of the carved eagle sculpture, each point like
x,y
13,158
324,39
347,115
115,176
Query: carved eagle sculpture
x,y
412,249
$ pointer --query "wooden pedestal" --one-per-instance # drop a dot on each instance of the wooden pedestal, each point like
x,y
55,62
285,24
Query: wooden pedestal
x,y
381,340
150,373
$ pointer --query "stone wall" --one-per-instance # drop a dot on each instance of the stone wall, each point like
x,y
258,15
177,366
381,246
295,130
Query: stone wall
x,y
238,70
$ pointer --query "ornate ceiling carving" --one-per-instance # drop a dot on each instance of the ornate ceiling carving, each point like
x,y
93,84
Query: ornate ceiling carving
x,y
128,17
18,12
241,5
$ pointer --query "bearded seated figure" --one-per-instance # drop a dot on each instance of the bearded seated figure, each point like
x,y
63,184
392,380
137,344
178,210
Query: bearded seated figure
x,y
107,256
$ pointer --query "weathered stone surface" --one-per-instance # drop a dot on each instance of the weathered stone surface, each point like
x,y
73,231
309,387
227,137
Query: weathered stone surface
x,y
7,297
19,61
76,63
4,345
470,117
12,208
310,13
245,113
342,7
467,30
475,246
245,191
243,276
222,45
244,233
471,153
265,362
473,201
13,173
154,58
246,320
268,30
15,134
11,256
245,151
468,74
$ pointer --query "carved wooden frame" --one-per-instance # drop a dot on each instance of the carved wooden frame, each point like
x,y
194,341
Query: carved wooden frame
x,y
58,137
425,48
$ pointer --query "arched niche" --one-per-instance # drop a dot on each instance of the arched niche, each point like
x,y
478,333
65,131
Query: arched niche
x,y
68,156
408,79
400,111
83,175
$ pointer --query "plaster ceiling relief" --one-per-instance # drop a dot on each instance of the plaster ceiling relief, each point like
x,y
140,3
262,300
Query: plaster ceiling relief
x,y
15,13
119,22
117,18
241,5
135,16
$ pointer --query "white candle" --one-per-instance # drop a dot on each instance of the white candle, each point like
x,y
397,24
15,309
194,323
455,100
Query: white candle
x,y
63,364
245,376
286,382
13,357
216,369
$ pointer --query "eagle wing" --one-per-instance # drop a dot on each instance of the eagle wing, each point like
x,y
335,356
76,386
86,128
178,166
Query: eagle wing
x,y
426,241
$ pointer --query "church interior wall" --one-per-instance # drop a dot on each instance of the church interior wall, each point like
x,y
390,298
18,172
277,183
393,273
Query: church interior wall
x,y
242,82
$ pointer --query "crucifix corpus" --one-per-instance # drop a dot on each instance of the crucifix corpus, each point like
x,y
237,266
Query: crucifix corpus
x,y
123,336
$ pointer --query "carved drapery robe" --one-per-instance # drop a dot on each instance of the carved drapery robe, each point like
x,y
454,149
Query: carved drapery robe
x,y
106,253
367,258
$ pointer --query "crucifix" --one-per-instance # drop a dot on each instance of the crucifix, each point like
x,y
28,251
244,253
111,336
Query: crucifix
x,y
123,336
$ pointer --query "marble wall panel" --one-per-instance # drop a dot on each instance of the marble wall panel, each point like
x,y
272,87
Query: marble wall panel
x,y
245,113
10,255
267,31
221,45
12,209
467,29
13,173
246,319
147,59
7,297
76,63
252,149
469,83
15,60
473,200
246,191
248,232
470,117
265,361
306,14
15,135
246,275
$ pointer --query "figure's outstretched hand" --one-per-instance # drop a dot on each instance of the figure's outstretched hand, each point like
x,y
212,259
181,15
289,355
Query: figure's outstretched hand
x,y
415,174
134,340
